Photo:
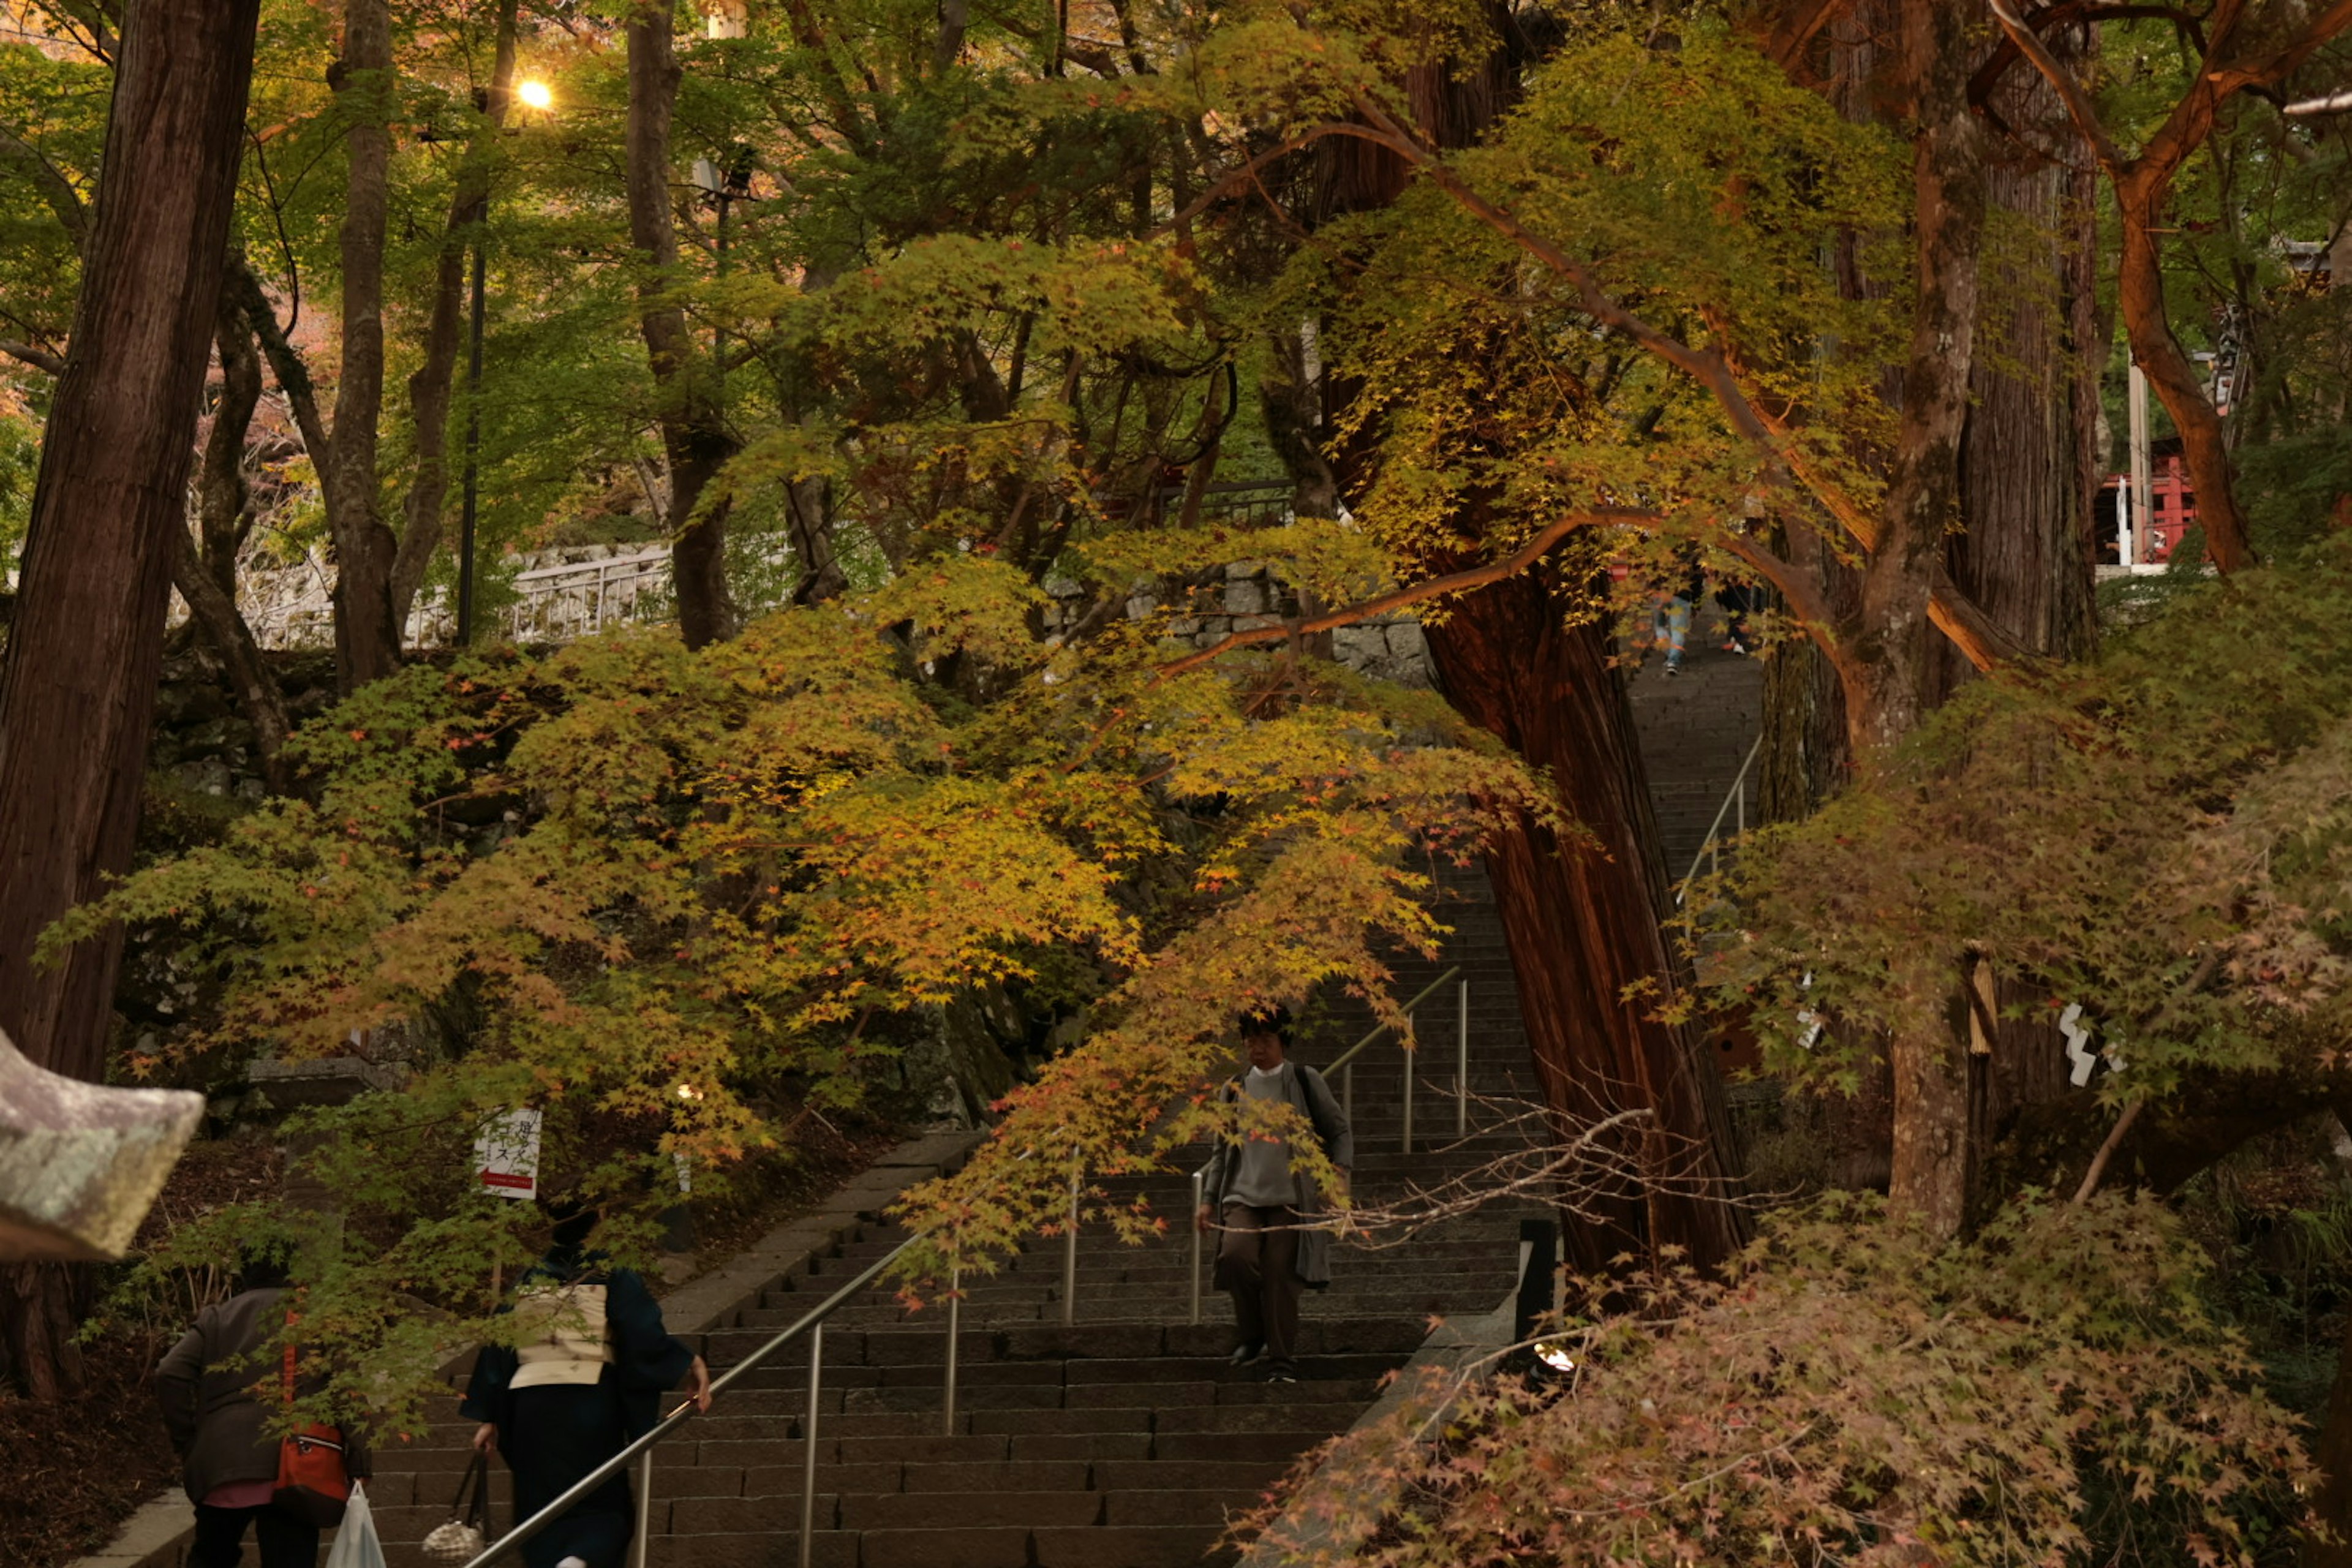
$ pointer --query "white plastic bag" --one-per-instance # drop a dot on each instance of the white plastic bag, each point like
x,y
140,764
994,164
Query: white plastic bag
x,y
357,1545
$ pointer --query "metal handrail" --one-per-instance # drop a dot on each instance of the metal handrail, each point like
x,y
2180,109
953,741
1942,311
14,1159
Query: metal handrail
x,y
811,1322
1708,846
1379,1029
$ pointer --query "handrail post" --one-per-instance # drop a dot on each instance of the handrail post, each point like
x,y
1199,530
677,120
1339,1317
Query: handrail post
x,y
808,1442
1409,1055
1200,1196
1070,1254
1461,1065
645,1508
955,1314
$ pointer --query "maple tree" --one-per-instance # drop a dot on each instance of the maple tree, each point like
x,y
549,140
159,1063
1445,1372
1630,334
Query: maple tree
x,y
1511,302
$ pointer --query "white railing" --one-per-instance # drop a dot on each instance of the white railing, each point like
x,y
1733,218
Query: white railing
x,y
577,599
293,607
1735,805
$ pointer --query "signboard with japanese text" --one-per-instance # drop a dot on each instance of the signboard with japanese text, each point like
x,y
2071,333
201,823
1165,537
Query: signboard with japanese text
x,y
505,1154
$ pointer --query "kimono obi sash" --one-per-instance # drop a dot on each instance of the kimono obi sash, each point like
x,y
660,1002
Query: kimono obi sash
x,y
562,1335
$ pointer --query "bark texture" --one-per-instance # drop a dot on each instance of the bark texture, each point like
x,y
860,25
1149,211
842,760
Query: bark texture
x,y
367,635
78,688
1582,919
694,432
2027,476
1929,1180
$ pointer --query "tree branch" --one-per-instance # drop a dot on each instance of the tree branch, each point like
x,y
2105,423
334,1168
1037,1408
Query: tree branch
x,y
38,358
2107,1150
1519,561
285,365
2079,107
1981,640
2006,55
55,188
1798,29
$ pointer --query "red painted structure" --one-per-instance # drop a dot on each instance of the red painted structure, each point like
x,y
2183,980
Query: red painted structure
x,y
2175,505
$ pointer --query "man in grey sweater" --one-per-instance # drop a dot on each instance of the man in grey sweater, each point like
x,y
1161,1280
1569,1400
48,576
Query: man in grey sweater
x,y
1269,1245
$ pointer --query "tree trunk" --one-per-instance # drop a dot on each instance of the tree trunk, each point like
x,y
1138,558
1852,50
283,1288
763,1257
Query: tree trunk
x,y
206,577
2333,1454
694,434
1929,1180
223,494
429,387
367,637
1582,921
78,686
215,610
2139,293
2023,553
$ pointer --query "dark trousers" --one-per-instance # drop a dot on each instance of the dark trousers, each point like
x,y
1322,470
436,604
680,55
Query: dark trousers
x,y
285,1542
1257,1262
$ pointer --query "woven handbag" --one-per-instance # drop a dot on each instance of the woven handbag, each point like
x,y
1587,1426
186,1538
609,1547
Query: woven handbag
x,y
467,1530
312,1484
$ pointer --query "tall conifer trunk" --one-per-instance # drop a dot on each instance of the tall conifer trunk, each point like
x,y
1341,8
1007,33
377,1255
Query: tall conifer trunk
x,y
1582,919
78,687
367,637
694,434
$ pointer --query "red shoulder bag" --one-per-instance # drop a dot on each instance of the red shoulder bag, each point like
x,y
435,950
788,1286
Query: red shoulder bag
x,y
312,1484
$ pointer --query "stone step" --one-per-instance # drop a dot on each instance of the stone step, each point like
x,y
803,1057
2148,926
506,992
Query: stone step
x,y
972,1510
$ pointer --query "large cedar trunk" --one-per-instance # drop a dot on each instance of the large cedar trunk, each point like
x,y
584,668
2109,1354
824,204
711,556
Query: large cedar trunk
x,y
2029,469
78,688
2029,460
1581,919
694,432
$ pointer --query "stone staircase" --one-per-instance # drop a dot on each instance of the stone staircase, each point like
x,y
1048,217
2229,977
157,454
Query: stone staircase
x,y
1123,1441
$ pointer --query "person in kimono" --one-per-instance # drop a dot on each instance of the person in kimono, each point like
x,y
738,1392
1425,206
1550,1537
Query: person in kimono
x,y
1270,1246
584,1376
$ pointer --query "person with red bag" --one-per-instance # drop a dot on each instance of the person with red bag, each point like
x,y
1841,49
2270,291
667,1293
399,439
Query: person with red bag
x,y
224,1398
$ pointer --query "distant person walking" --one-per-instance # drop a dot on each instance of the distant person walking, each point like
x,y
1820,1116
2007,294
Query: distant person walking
x,y
1269,1247
584,1376
220,1389
1672,622
1738,601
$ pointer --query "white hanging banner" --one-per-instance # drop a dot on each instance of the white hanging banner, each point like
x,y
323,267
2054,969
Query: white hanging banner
x,y
505,1154
2078,1035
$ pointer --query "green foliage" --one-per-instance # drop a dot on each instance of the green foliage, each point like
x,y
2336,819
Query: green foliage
x,y
670,897
2055,1392
2161,836
1701,188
